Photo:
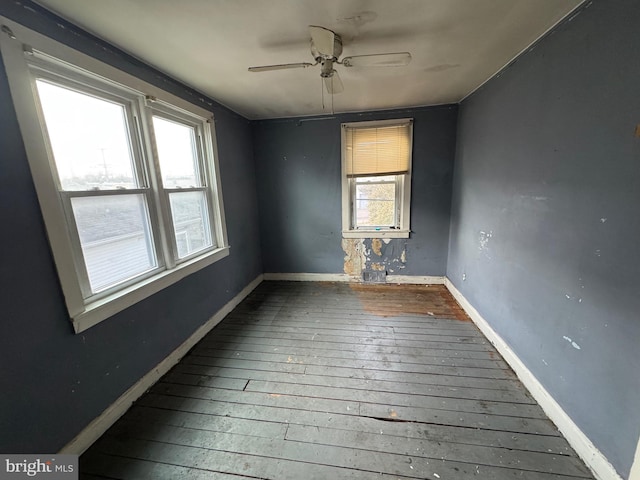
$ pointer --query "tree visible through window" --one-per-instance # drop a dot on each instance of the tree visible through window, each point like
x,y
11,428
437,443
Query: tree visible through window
x,y
375,201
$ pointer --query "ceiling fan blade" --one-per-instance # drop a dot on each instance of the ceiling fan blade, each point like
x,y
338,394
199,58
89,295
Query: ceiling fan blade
x,y
284,66
333,84
323,39
399,59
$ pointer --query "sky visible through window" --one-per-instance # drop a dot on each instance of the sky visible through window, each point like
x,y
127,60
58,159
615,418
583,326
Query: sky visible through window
x,y
89,138
176,151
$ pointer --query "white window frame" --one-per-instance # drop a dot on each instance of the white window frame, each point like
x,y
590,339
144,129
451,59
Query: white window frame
x,y
403,190
203,141
86,311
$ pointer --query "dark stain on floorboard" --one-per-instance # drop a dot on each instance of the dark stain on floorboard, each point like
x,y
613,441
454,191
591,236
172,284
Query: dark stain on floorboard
x,y
392,299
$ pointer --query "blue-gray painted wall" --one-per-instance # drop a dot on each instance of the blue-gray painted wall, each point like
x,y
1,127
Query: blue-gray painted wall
x,y
299,188
545,218
53,382
545,194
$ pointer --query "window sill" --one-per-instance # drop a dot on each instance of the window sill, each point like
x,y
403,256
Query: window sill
x,y
104,308
375,233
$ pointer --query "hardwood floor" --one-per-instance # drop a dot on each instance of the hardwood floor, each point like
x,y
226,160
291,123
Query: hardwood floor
x,y
337,381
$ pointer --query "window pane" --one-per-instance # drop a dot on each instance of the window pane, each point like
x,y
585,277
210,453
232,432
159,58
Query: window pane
x,y
89,139
190,222
177,153
375,204
115,237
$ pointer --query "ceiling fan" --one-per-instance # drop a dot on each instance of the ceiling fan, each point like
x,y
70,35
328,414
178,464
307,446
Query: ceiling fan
x,y
326,48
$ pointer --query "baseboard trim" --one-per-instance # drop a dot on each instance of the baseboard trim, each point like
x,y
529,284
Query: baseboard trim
x,y
415,279
341,277
310,277
634,474
102,423
586,450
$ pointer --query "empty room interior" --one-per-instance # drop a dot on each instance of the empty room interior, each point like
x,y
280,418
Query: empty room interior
x,y
321,238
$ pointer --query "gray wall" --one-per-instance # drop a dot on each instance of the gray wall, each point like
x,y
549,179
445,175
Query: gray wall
x,y
544,226
54,382
545,221
299,191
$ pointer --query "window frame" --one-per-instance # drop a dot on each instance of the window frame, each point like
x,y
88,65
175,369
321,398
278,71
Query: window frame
x,y
86,84
73,68
403,189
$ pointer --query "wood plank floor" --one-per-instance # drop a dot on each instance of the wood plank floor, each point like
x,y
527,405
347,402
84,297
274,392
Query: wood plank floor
x,y
337,381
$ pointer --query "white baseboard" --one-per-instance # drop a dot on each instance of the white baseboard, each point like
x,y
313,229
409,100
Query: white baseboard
x,y
341,277
634,474
415,279
311,277
593,458
101,424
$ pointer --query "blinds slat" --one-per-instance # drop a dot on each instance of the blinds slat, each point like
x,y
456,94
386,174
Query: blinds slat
x,y
378,151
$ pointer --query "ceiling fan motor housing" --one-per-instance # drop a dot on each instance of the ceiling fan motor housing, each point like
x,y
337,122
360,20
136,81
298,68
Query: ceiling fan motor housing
x,y
327,59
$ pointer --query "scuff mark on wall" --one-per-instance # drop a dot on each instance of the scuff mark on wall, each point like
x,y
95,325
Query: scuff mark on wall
x,y
484,239
483,242
573,344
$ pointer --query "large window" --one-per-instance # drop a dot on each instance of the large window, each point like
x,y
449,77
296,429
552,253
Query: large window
x,y
126,175
376,178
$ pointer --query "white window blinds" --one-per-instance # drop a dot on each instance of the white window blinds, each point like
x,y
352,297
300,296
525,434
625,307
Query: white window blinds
x,y
384,150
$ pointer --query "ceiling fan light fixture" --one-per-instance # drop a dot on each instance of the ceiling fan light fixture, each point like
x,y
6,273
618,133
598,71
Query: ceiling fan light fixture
x,y
333,83
327,69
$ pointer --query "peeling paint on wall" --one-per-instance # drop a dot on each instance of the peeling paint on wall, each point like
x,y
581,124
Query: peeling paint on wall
x,y
388,255
376,246
354,259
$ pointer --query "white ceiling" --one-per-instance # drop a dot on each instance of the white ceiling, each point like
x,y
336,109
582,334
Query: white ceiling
x,y
456,46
